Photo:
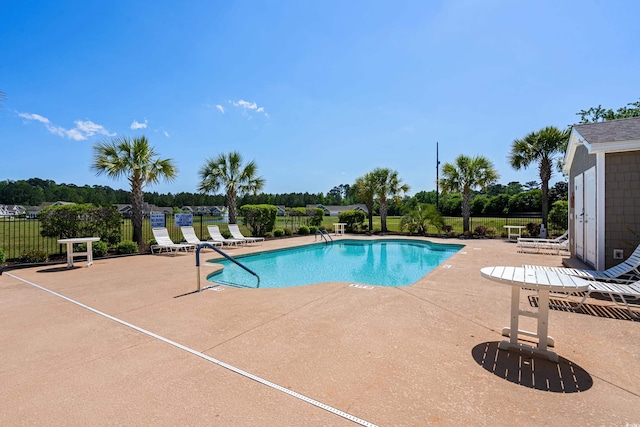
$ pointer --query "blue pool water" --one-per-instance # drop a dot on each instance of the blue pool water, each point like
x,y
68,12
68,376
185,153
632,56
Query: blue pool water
x,y
380,262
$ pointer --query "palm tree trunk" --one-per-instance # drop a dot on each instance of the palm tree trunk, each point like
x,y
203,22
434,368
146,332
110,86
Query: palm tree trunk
x,y
545,203
466,211
137,198
231,199
545,176
370,215
383,216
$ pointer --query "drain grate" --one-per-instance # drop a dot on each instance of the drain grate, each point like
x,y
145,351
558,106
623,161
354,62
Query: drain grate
x,y
358,286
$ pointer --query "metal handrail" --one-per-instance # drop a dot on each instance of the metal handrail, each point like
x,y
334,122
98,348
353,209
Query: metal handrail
x,y
209,245
322,234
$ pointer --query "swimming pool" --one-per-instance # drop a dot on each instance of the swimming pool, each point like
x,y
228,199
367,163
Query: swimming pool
x,y
393,262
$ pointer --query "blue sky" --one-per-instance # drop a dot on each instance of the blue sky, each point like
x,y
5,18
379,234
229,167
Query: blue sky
x,y
317,93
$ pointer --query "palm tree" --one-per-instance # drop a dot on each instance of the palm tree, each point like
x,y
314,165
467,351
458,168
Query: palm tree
x,y
388,184
365,191
468,173
138,161
544,146
227,171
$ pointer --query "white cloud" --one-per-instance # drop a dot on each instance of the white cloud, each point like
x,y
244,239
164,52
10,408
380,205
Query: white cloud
x,y
248,107
166,133
137,125
83,130
220,108
245,104
37,117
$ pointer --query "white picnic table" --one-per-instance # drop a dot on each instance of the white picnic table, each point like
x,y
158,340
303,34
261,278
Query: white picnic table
x,y
70,253
338,228
517,233
542,282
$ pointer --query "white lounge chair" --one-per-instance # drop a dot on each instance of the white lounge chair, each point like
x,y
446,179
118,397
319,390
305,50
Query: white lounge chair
x,y
629,269
216,236
164,242
190,236
527,244
618,292
235,232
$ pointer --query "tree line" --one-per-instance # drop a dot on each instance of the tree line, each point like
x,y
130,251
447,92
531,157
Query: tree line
x,y
35,191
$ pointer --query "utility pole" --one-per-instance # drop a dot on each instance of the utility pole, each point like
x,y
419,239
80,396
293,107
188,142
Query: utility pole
x,y
437,178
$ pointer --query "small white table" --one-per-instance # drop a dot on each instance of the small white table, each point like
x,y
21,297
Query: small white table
x,y
517,233
70,254
338,228
542,282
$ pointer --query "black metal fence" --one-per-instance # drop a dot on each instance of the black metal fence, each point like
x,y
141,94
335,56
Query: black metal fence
x,y
18,236
21,235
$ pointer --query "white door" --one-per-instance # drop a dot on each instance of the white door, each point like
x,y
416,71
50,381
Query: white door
x,y
578,212
590,217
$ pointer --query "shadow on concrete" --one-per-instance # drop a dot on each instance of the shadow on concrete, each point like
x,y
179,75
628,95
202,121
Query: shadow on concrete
x,y
610,312
520,367
59,269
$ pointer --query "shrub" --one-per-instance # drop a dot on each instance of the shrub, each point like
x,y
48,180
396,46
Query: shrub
x,y
278,232
480,230
559,215
268,235
352,219
63,221
491,231
127,247
313,229
533,229
317,215
303,230
288,232
2,258
106,222
98,248
259,218
33,256
79,220
418,219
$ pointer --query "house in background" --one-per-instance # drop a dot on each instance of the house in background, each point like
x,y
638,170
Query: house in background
x,y
204,210
32,212
127,211
603,165
7,211
335,210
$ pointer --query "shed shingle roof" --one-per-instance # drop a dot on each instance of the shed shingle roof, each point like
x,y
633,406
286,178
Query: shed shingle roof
x,y
611,131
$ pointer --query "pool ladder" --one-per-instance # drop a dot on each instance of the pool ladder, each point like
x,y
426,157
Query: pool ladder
x,y
233,260
324,234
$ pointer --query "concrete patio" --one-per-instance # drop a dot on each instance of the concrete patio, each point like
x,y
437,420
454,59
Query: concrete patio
x,y
409,356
